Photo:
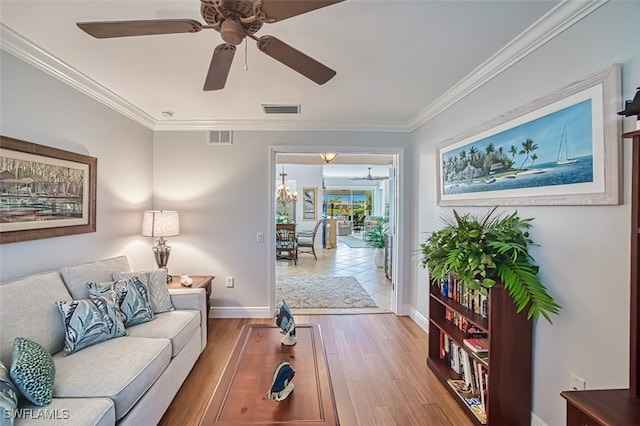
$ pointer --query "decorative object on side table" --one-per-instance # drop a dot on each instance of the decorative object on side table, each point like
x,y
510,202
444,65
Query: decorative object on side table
x,y
632,107
282,384
479,252
284,320
161,223
197,281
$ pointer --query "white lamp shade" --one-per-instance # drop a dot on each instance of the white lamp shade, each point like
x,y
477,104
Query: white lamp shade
x,y
160,223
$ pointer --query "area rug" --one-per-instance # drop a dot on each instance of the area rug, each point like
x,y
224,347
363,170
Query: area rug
x,y
353,242
322,292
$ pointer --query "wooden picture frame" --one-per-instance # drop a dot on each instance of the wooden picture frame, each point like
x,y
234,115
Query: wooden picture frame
x,y
525,156
309,203
45,192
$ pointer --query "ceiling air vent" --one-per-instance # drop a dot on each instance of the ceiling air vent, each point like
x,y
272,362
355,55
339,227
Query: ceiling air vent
x,y
220,137
280,109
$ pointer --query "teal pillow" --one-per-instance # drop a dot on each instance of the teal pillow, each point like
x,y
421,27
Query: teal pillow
x,y
89,321
131,297
8,397
32,371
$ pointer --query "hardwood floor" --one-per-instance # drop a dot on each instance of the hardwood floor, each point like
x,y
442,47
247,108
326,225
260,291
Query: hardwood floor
x,y
377,364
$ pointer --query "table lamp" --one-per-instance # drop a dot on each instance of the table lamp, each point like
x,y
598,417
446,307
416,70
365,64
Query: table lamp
x,y
161,223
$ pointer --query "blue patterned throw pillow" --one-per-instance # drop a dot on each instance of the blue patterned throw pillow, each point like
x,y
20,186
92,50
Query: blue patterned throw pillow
x,y
156,282
8,397
89,321
32,371
131,297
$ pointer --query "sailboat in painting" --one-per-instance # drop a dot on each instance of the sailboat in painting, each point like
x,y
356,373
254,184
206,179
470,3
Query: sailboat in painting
x,y
563,150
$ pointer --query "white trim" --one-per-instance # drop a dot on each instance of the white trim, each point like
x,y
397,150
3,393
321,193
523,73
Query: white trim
x,y
23,49
420,319
561,17
279,125
537,421
558,19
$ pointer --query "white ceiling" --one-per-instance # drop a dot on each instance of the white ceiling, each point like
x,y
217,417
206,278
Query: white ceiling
x,y
398,62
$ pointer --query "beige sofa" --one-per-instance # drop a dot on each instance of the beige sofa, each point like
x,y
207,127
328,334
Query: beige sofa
x,y
129,380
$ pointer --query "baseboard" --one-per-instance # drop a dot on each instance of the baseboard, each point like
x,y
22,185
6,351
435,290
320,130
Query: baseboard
x,y
537,421
420,319
240,312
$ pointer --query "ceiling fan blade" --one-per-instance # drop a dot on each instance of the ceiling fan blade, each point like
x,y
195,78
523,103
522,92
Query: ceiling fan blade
x,y
220,66
294,59
139,28
277,10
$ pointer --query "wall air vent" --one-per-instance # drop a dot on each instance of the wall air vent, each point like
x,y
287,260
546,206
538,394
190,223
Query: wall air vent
x,y
220,137
280,109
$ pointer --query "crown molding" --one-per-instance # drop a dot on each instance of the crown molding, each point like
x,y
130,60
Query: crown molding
x,y
279,125
554,22
561,17
23,49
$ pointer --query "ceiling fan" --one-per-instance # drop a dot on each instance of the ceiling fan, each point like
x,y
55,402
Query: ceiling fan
x,y
369,177
235,20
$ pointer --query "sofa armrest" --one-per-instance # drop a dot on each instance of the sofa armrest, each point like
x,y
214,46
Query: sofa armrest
x,y
193,299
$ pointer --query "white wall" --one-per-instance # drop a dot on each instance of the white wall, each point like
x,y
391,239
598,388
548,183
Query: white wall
x,y
305,176
224,196
584,251
40,109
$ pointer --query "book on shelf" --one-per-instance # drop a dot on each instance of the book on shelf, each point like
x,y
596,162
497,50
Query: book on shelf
x,y
470,398
477,344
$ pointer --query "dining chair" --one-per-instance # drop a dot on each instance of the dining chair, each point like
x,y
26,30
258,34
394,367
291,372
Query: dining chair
x,y
306,241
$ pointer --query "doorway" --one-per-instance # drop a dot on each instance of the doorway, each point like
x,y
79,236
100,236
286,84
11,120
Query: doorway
x,y
370,179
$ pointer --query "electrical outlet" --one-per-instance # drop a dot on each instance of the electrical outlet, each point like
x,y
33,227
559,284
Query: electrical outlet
x,y
576,383
260,237
230,282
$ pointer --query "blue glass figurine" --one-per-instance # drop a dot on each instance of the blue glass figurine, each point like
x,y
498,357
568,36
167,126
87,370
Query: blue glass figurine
x,y
282,384
284,320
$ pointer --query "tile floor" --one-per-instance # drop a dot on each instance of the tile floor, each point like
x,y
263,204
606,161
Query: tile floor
x,y
342,261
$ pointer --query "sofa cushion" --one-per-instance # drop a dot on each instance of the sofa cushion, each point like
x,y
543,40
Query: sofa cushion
x,y
90,321
131,297
69,412
120,369
156,282
32,371
177,326
28,309
75,277
8,396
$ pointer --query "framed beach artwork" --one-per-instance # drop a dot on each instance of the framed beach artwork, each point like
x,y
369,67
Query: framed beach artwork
x,y
44,192
309,203
563,149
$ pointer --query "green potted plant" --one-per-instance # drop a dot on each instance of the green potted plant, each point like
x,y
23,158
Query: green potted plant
x,y
483,251
375,237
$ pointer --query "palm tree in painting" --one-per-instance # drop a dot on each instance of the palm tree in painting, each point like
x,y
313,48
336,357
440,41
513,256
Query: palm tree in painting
x,y
534,157
513,151
528,147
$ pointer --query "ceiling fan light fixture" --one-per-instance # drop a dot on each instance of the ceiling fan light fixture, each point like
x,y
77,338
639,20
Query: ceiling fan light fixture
x,y
232,31
328,156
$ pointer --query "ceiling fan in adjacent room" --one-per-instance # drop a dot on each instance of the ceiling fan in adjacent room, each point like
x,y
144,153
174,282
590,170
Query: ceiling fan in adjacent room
x,y
235,20
370,177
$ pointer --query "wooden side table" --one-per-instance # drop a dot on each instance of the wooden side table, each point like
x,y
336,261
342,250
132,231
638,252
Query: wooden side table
x,y
199,281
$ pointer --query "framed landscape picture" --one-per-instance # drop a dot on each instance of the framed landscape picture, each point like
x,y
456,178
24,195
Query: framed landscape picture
x,y
309,203
562,149
44,192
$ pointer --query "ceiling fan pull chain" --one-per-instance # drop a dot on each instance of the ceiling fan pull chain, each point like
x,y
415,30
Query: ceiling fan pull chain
x,y
246,67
